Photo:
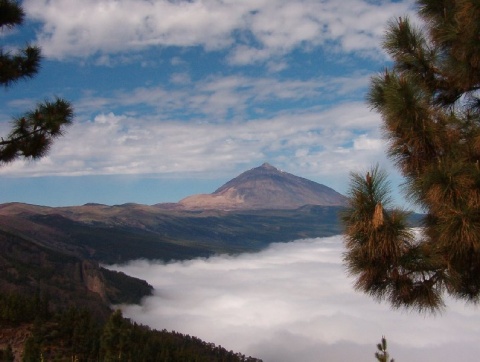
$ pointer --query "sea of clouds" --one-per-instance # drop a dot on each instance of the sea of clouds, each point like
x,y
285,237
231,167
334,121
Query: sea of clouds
x,y
294,302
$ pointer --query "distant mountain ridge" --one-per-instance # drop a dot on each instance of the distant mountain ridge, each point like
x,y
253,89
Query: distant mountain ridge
x,y
257,207
58,253
265,187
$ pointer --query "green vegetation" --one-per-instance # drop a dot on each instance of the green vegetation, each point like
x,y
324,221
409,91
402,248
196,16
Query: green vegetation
x,y
28,268
430,106
56,261
17,308
124,289
46,296
75,334
32,134
6,355
382,355
167,235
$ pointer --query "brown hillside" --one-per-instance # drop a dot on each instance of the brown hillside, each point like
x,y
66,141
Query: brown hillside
x,y
266,187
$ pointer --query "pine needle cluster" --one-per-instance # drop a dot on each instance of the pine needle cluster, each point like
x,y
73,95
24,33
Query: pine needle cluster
x,y
33,133
430,107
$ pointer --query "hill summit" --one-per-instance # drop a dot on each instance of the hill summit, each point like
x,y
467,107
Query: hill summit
x,y
265,187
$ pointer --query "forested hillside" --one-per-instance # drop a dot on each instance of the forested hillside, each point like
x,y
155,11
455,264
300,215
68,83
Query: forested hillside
x,y
55,306
32,331
115,234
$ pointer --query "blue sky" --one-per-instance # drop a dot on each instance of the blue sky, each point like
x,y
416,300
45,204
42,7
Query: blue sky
x,y
176,97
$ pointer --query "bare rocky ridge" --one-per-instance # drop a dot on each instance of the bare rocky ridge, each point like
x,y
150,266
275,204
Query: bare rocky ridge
x,y
265,187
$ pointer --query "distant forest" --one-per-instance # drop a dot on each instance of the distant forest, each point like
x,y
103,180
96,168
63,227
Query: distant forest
x,y
75,334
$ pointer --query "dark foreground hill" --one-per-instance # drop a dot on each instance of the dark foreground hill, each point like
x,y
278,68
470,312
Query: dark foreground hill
x,y
30,268
55,300
31,332
53,255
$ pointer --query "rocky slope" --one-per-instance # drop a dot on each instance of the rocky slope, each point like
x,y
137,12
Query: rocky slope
x,y
265,187
28,267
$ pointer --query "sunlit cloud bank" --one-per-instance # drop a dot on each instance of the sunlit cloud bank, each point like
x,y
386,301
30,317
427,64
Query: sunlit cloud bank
x,y
294,302
201,90
205,90
251,30
315,141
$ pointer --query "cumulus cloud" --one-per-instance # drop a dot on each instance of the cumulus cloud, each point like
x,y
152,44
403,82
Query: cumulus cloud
x,y
302,113
252,30
121,144
208,126
294,302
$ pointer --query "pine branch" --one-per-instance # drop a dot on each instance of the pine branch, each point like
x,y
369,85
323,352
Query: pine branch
x,y
11,14
24,64
32,134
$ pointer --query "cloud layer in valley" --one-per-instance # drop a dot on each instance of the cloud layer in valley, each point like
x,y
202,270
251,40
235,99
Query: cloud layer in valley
x,y
293,302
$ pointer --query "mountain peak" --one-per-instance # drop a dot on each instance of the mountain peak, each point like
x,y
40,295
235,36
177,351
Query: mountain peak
x,y
266,187
267,166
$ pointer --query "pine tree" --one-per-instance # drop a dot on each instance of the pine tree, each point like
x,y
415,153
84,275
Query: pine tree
x,y
31,351
430,107
115,338
382,355
7,354
33,133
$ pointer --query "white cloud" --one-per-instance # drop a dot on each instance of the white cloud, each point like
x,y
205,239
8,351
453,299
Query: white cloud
x,y
207,126
302,108
364,142
257,30
218,126
293,302
121,144
213,97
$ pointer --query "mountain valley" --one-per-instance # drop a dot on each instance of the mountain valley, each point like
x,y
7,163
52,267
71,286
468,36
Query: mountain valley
x,y
57,252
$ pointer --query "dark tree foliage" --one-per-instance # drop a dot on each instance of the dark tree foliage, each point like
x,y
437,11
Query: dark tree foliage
x,y
31,352
33,133
26,62
128,290
17,308
7,355
122,340
430,106
382,354
76,335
